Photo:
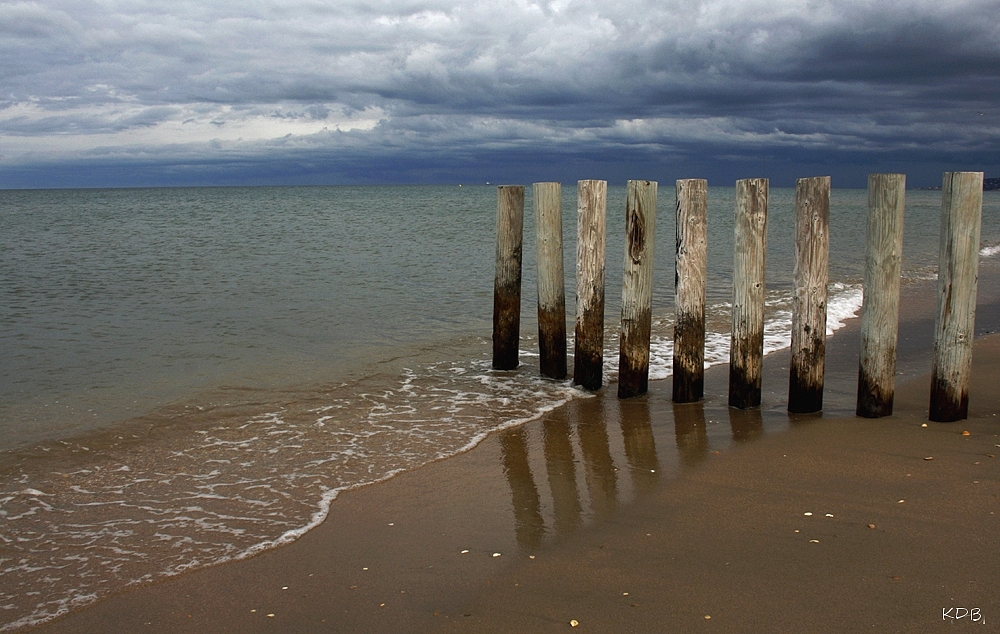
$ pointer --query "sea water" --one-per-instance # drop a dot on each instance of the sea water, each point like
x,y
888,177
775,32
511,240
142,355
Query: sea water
x,y
189,376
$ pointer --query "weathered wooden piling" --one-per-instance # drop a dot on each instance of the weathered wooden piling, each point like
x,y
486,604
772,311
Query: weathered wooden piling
x,y
958,274
637,288
811,273
588,358
507,281
690,270
551,285
880,305
746,349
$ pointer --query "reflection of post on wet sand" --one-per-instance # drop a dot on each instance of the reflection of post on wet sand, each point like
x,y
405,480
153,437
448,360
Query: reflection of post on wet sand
x,y
562,471
692,436
747,424
529,526
602,483
640,447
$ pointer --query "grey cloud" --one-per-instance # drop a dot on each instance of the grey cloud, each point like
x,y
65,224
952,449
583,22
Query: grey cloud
x,y
85,124
730,78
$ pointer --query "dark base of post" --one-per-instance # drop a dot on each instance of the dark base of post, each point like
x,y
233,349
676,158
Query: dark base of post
x,y
946,409
632,380
744,393
689,361
804,396
588,370
506,329
552,343
688,388
588,358
872,401
804,400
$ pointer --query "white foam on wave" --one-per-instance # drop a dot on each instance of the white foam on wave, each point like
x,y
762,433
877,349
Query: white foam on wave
x,y
244,483
329,496
843,303
989,251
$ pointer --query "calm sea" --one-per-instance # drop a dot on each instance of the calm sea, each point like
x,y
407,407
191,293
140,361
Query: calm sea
x,y
188,376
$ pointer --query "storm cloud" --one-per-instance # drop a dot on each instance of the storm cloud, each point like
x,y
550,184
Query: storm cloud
x,y
144,92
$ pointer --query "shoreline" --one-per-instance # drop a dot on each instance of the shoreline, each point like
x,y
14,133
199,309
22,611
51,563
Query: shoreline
x,y
411,528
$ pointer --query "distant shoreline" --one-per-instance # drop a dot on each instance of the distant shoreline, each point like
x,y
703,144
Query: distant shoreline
x,y
989,185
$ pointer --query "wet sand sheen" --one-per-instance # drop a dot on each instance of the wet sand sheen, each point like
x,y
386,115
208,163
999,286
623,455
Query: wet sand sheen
x,y
691,510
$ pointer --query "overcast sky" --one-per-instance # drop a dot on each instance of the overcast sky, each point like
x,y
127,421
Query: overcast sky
x,y
147,92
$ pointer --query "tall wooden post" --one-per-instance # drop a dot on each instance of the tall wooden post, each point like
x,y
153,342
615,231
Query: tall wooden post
x,y
812,256
691,266
880,306
507,282
637,288
746,349
551,284
588,358
958,273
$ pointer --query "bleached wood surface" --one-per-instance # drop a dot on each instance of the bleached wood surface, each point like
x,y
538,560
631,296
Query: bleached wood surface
x,y
588,358
746,351
637,288
691,267
958,276
811,273
551,282
507,280
880,306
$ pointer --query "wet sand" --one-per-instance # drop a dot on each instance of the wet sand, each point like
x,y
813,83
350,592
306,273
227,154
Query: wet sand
x,y
694,511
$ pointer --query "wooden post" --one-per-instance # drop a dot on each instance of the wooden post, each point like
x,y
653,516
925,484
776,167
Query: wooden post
x,y
637,288
958,273
812,256
551,285
588,358
691,266
746,349
507,282
880,306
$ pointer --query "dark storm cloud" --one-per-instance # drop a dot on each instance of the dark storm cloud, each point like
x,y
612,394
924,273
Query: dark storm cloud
x,y
422,82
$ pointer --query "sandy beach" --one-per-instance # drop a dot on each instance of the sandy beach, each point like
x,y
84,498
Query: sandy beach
x,y
639,516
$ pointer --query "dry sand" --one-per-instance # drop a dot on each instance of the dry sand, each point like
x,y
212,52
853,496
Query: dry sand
x,y
636,516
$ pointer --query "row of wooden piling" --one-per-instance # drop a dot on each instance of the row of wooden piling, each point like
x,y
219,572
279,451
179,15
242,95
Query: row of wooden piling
x,y
958,266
